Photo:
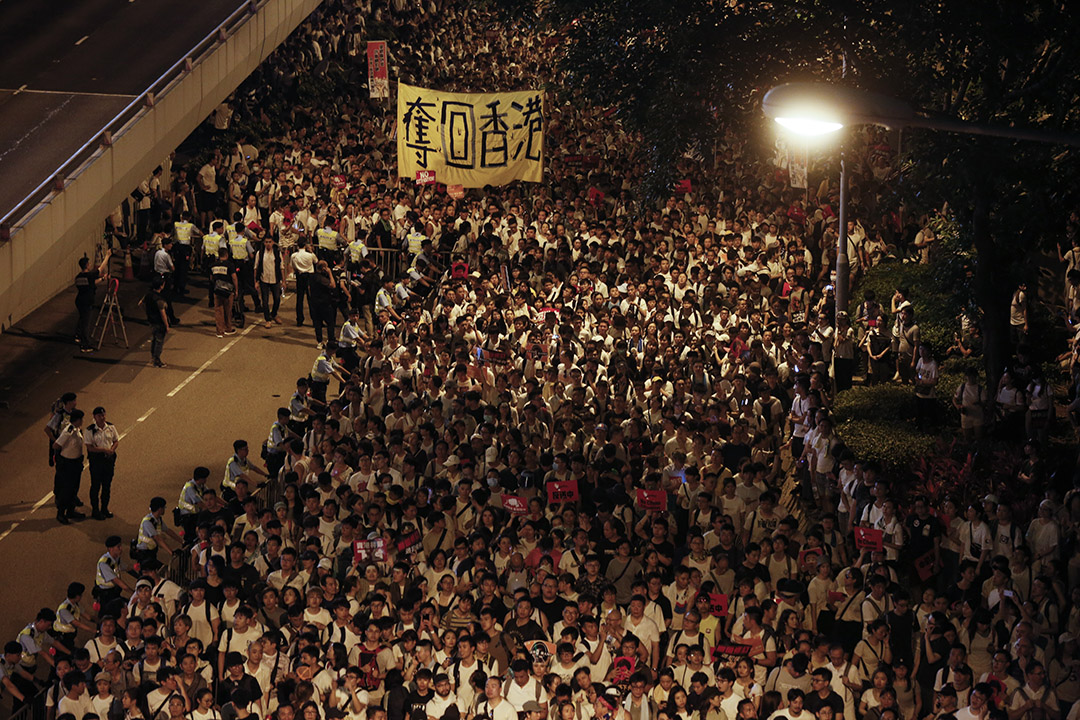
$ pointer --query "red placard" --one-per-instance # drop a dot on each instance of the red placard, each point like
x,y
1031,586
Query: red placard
x,y
425,177
652,500
515,504
837,597
718,603
367,550
683,186
924,566
378,77
729,652
410,543
595,196
869,539
455,191
560,491
622,668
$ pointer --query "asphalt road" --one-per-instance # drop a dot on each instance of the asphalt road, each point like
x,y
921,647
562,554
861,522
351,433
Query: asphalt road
x,y
69,66
173,419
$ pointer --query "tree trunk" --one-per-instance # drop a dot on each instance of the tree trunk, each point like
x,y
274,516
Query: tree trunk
x,y
990,292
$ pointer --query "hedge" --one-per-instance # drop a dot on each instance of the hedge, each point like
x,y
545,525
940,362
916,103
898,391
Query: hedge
x,y
936,307
877,422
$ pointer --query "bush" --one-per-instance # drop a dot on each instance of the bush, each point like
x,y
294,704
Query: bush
x,y
936,308
878,423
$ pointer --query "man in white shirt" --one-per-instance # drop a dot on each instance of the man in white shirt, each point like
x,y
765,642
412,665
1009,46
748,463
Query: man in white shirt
x,y
444,705
303,264
75,700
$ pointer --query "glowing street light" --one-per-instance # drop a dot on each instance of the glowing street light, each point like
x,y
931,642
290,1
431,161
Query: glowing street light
x,y
816,109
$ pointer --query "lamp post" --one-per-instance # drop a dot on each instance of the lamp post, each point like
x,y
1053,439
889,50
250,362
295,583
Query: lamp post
x,y
820,109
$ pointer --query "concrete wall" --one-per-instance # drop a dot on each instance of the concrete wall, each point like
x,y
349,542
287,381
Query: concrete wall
x,y
41,258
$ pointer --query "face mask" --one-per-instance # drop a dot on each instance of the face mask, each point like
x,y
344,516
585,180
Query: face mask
x,y
493,482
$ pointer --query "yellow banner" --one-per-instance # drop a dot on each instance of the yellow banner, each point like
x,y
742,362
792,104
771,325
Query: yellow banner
x,y
470,139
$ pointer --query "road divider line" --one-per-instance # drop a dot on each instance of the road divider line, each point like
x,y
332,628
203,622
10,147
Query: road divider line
x,y
209,362
83,39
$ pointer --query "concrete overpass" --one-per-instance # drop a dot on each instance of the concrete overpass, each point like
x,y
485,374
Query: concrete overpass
x,y
93,94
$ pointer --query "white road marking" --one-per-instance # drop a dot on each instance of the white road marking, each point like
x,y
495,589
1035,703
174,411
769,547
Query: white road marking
x,y
210,362
66,92
41,503
21,88
84,39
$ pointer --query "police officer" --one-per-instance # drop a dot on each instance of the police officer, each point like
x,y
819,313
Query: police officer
x,y
280,435
212,242
35,640
242,252
109,586
69,616
414,241
329,242
299,409
15,677
238,467
85,289
321,372
61,416
191,501
101,440
357,251
69,466
152,531
349,339
186,235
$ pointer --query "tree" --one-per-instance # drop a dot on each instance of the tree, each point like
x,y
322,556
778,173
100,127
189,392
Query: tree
x,y
682,71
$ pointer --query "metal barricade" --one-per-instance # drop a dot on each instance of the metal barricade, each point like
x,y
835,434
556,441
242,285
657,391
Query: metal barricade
x,y
33,710
389,260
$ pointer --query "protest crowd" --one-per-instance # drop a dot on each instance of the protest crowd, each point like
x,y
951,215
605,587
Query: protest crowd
x,y
572,458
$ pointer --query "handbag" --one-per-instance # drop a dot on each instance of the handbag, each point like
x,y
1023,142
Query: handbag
x,y
223,288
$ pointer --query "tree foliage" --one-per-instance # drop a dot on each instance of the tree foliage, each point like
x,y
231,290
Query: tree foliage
x,y
681,72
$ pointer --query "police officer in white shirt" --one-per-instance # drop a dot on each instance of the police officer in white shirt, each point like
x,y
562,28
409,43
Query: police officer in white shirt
x,y
69,467
101,440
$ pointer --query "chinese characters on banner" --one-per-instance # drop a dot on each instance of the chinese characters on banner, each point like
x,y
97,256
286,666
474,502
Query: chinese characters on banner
x,y
562,491
515,504
378,77
368,550
471,139
652,500
870,539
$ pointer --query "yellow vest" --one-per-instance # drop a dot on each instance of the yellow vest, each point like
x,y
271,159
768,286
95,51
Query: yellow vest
x,y
415,240
316,374
111,562
357,250
183,232
327,238
211,244
71,607
238,247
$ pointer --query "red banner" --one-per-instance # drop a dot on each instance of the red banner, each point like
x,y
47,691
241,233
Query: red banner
x,y
683,186
595,196
455,191
515,504
560,491
410,543
377,69
718,602
652,500
425,177
869,539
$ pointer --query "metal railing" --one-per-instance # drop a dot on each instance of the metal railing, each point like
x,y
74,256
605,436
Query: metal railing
x,y
35,709
57,180
390,261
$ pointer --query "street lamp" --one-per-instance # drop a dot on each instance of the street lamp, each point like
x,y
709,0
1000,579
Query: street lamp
x,y
820,109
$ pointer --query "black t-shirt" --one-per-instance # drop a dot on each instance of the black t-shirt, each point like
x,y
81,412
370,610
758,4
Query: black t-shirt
x,y
553,610
813,702
921,534
321,291
417,704
85,286
154,305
